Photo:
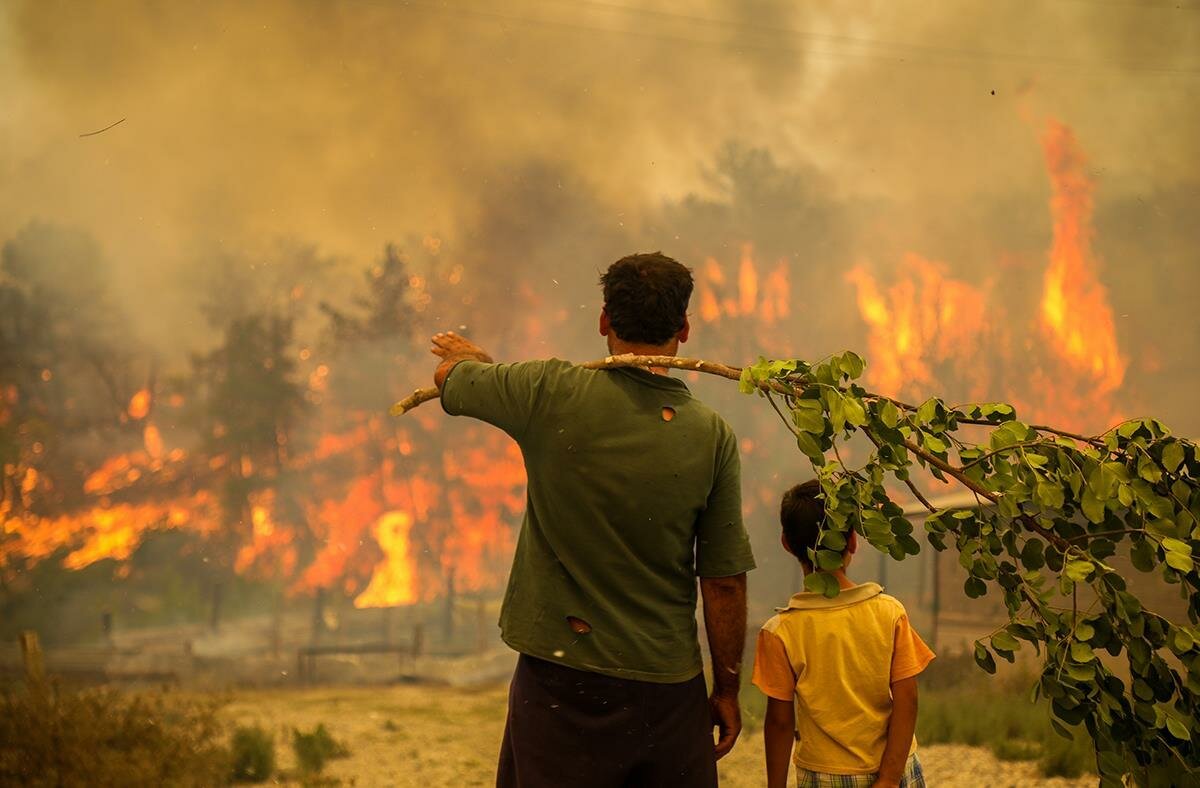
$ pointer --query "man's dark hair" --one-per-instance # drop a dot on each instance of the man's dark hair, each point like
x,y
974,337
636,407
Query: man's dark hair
x,y
802,514
646,297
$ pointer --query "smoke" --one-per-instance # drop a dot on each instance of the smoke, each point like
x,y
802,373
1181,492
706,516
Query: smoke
x,y
350,125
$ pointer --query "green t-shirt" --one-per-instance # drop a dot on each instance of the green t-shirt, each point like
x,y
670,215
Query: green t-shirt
x,y
624,510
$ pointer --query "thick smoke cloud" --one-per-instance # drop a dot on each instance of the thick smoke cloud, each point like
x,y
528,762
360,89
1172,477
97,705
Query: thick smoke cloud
x,y
345,126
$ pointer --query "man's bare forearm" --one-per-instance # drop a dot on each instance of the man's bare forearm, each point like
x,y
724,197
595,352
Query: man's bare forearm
x,y
725,622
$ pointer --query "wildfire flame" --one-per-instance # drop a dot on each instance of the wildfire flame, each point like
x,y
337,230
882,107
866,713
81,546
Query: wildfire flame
x,y
1075,310
769,300
926,320
393,582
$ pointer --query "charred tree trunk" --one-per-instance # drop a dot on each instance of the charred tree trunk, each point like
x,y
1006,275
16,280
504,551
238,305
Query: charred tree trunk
x,y
448,612
214,616
318,618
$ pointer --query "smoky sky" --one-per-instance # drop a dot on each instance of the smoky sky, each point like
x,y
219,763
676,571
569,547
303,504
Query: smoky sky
x,y
347,125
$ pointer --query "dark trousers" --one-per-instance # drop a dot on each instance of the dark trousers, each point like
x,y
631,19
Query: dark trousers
x,y
568,727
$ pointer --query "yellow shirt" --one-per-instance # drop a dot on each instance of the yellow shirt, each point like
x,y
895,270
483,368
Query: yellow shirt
x,y
837,659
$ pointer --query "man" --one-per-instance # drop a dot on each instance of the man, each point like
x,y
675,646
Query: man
x,y
634,492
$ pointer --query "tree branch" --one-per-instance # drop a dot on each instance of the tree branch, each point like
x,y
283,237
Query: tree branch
x,y
421,396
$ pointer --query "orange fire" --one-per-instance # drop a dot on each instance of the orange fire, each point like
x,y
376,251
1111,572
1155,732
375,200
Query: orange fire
x,y
393,582
767,299
139,405
1075,310
926,320
104,531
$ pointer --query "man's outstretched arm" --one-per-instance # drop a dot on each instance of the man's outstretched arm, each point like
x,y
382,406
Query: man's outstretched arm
x,y
452,348
725,622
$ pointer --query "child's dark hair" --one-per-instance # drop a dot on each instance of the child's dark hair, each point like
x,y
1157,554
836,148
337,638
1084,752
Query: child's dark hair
x,y
802,513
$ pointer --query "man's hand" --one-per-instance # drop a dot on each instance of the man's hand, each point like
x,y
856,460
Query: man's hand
x,y
452,348
725,622
727,717
449,344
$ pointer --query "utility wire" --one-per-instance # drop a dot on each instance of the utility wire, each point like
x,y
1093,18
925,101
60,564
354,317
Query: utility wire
x,y
906,54
900,47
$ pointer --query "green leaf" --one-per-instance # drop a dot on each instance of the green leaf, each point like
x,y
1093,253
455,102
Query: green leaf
x,y
1178,729
1148,469
821,583
1179,554
837,412
1078,569
746,383
1142,555
855,414
974,587
983,658
928,411
1081,652
1003,641
808,416
808,444
829,561
1172,545
834,540
1061,730
1172,456
852,364
1093,507
1081,671
1103,482
1032,555
1183,563
889,414
933,443
1050,496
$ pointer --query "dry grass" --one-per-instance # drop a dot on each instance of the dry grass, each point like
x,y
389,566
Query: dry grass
x,y
432,736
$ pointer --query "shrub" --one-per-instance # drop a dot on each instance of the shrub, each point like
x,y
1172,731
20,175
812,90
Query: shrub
x,y
102,737
1065,758
253,755
313,749
1016,750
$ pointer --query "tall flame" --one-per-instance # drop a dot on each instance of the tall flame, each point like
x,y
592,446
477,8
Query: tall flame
x,y
393,581
1075,310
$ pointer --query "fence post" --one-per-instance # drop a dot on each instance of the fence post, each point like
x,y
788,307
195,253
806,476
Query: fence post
x,y
418,640
481,634
31,656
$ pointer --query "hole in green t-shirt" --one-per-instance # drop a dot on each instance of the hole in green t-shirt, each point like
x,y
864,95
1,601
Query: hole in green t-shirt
x,y
578,625
668,413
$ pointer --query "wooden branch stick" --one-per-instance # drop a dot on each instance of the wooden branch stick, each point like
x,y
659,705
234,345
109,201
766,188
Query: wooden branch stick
x,y
421,396
966,481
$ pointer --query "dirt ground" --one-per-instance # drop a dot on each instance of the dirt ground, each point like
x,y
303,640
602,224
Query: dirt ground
x,y
433,736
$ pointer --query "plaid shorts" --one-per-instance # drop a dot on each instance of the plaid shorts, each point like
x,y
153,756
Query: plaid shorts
x,y
913,778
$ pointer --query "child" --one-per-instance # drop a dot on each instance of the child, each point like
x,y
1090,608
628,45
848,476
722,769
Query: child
x,y
840,674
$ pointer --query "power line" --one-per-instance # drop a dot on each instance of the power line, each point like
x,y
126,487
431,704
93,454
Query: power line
x,y
916,54
899,47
